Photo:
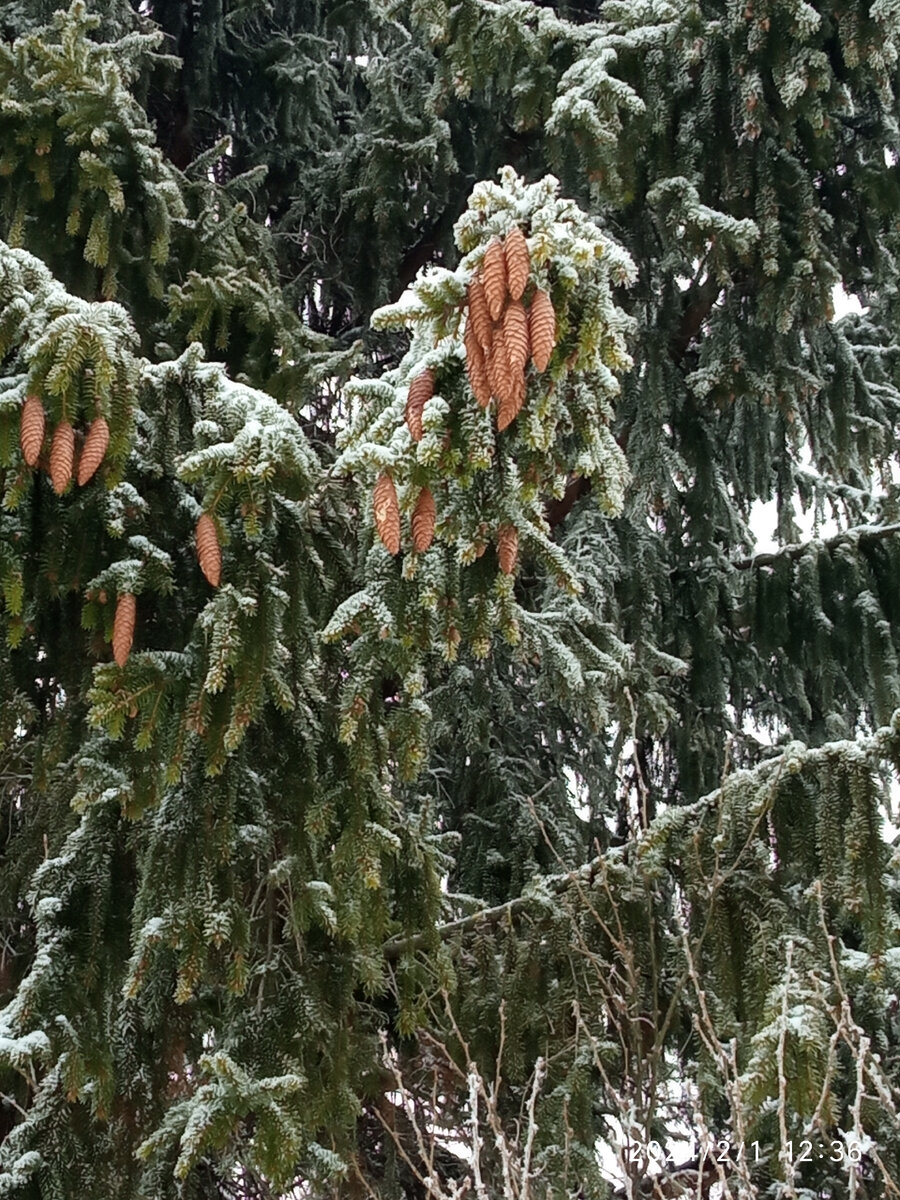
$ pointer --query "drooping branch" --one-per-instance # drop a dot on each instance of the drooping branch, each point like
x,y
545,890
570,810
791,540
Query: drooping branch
x,y
859,533
795,757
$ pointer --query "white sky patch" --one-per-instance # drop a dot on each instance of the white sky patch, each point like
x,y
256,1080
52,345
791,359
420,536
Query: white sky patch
x,y
845,302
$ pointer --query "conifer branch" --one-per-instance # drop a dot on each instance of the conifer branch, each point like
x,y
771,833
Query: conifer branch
x,y
794,758
859,533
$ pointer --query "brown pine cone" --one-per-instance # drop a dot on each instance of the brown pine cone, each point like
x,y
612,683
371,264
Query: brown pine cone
x,y
421,389
518,262
515,335
123,627
387,513
62,456
209,552
542,327
504,371
507,548
94,450
510,405
497,366
31,430
476,367
423,521
479,317
494,275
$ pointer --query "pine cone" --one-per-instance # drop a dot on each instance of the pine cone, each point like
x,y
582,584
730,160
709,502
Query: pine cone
x,y
511,405
209,552
479,317
123,627
477,368
518,262
497,366
62,456
494,272
420,392
507,548
505,374
387,513
31,430
515,335
542,327
94,450
423,521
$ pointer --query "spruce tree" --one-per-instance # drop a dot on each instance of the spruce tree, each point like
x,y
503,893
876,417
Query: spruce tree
x,y
416,781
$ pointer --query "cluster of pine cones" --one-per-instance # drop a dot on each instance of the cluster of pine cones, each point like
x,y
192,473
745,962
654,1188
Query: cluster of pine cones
x,y
32,429
387,516
501,333
387,521
500,336
62,447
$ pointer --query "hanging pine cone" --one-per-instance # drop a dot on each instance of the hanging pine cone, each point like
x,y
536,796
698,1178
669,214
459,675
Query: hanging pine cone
x,y
498,370
509,372
420,392
62,456
31,430
515,335
479,317
518,262
387,513
423,521
542,328
510,405
494,273
94,450
507,548
209,552
476,368
123,627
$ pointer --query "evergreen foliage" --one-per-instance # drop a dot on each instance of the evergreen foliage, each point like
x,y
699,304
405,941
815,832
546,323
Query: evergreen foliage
x,y
404,794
